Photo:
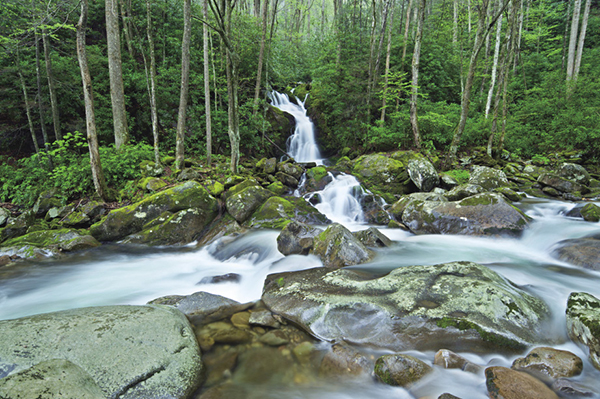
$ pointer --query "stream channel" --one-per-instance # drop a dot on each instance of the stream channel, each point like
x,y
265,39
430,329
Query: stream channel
x,y
117,274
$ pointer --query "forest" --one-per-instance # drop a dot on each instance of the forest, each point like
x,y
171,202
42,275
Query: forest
x,y
91,89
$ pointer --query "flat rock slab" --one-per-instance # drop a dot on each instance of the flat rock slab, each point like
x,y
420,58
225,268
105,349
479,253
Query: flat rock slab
x,y
129,351
458,305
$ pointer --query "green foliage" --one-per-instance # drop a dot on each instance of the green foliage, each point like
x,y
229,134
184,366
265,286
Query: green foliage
x,y
460,175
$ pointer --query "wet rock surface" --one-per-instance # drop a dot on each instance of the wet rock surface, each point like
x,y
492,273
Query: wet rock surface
x,y
457,305
583,323
548,363
338,247
584,252
504,383
400,370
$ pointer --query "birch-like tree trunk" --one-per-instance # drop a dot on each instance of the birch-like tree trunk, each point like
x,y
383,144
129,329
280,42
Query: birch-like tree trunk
x,y
152,76
115,72
406,28
414,122
27,107
494,66
581,40
207,84
387,63
126,32
38,74
50,76
92,139
261,53
185,76
573,42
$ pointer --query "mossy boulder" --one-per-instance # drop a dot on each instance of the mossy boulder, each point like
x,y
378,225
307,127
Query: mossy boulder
x,y
297,238
56,241
584,252
482,214
562,184
488,178
76,219
179,228
277,188
400,370
18,226
46,200
188,174
149,168
457,305
338,247
129,351
241,203
590,212
277,212
130,219
286,179
290,168
583,323
316,179
574,172
383,175
214,187
509,194
398,207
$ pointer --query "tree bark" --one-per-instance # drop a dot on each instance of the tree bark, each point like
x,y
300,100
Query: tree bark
x,y
494,67
117,95
584,22
185,75
406,28
50,76
96,165
573,42
414,122
39,95
27,108
126,32
153,110
387,64
261,53
207,84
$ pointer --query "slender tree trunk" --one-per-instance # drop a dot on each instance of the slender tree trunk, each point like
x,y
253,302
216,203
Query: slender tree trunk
x,y
126,32
414,122
261,53
455,23
406,28
117,95
232,93
153,110
96,165
207,84
39,95
376,54
27,108
584,22
573,42
387,64
323,18
564,44
185,75
50,76
495,66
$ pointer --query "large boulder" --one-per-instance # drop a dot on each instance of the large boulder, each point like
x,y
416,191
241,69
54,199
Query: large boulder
x,y
243,203
55,241
504,383
297,238
574,172
4,215
458,305
46,200
383,175
562,184
277,212
18,226
398,207
583,323
423,174
51,379
463,191
584,252
122,222
488,178
482,214
338,247
129,351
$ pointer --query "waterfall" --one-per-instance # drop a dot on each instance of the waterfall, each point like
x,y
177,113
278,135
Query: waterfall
x,y
302,145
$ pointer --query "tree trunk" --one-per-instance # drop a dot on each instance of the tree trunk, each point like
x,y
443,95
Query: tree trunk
x,y
564,44
126,32
415,76
39,95
584,22
466,97
494,67
207,85
455,23
96,165
387,64
115,72
406,28
376,54
185,75
573,42
153,110
261,54
27,108
232,93
50,75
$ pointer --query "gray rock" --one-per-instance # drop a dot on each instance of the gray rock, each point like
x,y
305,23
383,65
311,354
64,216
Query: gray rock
x,y
243,203
448,182
562,184
584,252
202,307
548,364
46,200
463,191
18,226
399,206
264,318
297,238
400,370
51,379
188,174
583,323
129,351
286,179
482,214
449,360
423,174
488,178
4,215
458,305
504,383
337,247
343,361
372,237
94,210
270,166
291,169
151,169
575,172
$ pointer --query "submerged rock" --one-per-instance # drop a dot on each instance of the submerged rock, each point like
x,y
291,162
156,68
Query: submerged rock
x,y
129,351
458,305
583,323
400,370
338,247
482,214
584,252
343,360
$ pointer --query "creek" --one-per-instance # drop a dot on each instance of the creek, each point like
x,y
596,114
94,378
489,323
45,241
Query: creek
x,y
116,274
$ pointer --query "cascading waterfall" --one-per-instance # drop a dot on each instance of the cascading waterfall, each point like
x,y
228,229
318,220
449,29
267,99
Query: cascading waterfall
x,y
302,145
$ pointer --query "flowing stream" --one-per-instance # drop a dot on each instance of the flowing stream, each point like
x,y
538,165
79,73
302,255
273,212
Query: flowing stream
x,y
132,275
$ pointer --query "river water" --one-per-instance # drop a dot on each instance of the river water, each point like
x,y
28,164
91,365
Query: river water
x,y
133,275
